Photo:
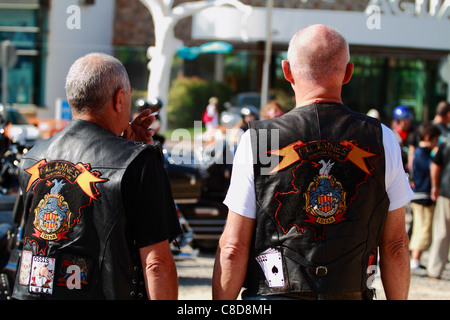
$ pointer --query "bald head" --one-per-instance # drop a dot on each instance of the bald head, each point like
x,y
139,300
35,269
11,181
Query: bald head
x,y
318,53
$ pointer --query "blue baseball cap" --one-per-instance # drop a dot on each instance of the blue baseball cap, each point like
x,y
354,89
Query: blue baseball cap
x,y
402,112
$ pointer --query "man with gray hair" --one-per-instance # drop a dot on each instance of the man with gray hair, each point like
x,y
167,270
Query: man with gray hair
x,y
99,212
309,223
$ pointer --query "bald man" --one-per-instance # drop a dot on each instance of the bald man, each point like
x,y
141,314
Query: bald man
x,y
317,194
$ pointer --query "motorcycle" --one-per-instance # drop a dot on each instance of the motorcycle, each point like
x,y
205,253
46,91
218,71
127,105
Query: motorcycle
x,y
11,208
182,247
10,243
199,182
12,152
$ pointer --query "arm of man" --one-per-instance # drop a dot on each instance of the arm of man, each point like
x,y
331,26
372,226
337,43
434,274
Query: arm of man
x,y
435,175
153,222
394,256
160,272
232,256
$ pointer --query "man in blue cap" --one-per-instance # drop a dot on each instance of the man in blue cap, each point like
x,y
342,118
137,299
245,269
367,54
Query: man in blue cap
x,y
404,133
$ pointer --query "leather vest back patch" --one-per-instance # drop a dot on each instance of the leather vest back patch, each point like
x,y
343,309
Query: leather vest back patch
x,y
57,184
321,198
329,173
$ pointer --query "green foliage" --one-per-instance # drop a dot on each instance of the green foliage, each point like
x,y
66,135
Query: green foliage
x,y
188,98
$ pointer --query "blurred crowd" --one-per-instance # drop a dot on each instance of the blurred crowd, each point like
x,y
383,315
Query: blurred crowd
x,y
425,150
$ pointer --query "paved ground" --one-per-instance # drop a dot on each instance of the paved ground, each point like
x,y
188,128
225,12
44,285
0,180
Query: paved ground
x,y
194,277
195,281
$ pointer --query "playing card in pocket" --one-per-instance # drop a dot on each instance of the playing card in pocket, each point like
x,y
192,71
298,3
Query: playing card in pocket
x,y
272,266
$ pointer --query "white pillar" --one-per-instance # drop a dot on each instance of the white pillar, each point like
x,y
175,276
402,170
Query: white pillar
x,y
268,55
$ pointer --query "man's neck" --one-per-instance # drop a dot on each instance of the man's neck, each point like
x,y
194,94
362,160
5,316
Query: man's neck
x,y
102,121
317,94
319,100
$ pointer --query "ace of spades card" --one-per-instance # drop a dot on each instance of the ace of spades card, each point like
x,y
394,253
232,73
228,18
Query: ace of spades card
x,y
272,266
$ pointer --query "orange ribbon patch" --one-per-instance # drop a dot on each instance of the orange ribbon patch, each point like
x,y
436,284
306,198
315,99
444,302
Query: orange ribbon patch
x,y
299,151
73,173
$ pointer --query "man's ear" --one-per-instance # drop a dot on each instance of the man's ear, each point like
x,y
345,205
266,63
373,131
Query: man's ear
x,y
348,73
118,99
287,71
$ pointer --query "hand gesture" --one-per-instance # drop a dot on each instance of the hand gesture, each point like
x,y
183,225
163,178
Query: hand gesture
x,y
139,130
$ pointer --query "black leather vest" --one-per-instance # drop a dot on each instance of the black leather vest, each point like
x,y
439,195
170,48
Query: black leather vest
x,y
321,202
76,241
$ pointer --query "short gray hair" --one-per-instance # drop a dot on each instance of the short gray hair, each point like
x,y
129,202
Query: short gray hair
x,y
92,81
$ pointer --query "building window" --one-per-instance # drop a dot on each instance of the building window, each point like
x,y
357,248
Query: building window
x,y
21,24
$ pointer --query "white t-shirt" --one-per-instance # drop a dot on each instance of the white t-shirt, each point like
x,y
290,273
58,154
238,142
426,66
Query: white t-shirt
x,y
241,197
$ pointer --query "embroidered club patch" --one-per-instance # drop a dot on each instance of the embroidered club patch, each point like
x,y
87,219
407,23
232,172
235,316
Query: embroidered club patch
x,y
52,215
326,176
325,197
61,193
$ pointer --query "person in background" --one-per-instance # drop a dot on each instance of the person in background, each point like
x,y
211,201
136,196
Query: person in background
x,y
210,118
440,192
442,119
248,113
404,132
374,114
272,109
422,205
